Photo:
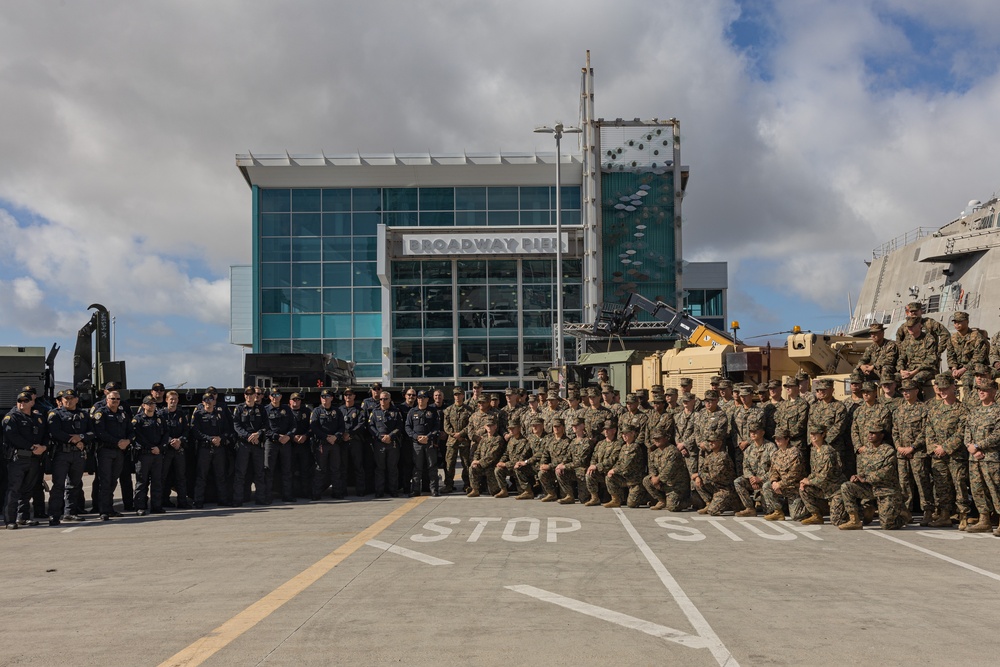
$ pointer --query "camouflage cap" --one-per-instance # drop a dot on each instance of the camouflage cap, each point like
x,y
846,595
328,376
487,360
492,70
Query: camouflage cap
x,y
656,387
942,380
458,390
576,421
782,432
888,377
789,381
509,391
552,396
515,424
823,383
868,386
856,377
908,385
986,384
670,391
715,379
558,422
877,427
802,375
982,369
628,428
755,424
817,428
477,384
745,390
914,305
572,395
641,393
610,423
657,433
537,421
658,398
688,396
774,384
876,328
726,384
593,392
710,394
715,434
631,398
761,388
686,382
483,399
490,421
960,316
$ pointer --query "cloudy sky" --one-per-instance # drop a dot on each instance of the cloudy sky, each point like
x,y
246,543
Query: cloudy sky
x,y
814,131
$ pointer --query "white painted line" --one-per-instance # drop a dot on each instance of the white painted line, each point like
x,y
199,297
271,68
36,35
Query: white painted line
x,y
701,626
947,559
409,553
624,620
70,530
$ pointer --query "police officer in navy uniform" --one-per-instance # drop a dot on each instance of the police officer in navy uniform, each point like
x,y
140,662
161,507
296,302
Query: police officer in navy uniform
x,y
354,443
250,424
422,427
302,451
125,476
208,432
278,448
177,424
150,439
327,425
38,490
24,444
113,428
71,440
385,424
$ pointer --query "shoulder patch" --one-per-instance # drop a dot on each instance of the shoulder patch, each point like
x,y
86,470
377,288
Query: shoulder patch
x,y
6,419
97,416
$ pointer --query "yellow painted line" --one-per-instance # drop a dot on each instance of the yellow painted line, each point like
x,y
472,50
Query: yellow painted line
x,y
210,644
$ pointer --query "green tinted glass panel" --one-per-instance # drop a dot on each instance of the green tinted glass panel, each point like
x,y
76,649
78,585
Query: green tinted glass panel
x,y
502,199
275,224
367,199
368,371
336,224
276,346
401,219
368,351
535,199
307,300
366,224
471,218
436,272
275,249
307,326
336,249
365,275
307,275
337,326
406,324
368,324
437,298
342,349
406,299
399,199
275,200
306,199
537,218
337,300
503,218
570,198
437,219
337,199
275,301
407,351
471,271
438,351
275,326
307,224
306,249
337,275
406,273
367,298
307,346
275,274
470,199
365,249
437,199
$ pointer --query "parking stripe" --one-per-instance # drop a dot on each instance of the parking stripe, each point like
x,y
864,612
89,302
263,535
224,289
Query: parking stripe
x,y
947,559
222,636
409,553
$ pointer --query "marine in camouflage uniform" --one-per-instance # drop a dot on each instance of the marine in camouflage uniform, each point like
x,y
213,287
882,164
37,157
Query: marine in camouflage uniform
x,y
477,421
485,458
822,486
792,414
982,441
774,399
575,471
552,410
756,469
946,420
635,418
673,402
513,410
832,416
880,357
596,415
712,418
919,354
518,451
686,442
915,312
742,416
966,348
787,470
714,479
658,418
531,412
805,387
687,386
625,476
574,408
871,411
877,479
555,451
603,459
458,444
668,480
909,426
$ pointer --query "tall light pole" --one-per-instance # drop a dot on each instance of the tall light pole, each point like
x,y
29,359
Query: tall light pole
x,y
557,131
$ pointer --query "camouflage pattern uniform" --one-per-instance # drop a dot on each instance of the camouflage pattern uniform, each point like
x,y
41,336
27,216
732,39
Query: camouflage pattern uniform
x,y
456,420
949,472
877,467
595,418
638,420
995,351
793,414
965,351
707,422
477,423
629,469
603,459
920,354
491,449
518,449
717,473
570,413
787,469
825,479
659,420
936,330
556,451
526,418
741,420
756,463
832,416
581,450
909,425
883,357
983,432
684,427
674,489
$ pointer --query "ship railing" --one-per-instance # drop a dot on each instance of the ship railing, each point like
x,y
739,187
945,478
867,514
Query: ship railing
x,y
902,240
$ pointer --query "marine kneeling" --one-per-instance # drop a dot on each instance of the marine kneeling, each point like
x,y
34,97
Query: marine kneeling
x,y
822,486
714,479
668,481
877,479
489,452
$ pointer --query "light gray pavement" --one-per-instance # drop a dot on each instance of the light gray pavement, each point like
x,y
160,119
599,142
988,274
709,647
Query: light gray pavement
x,y
526,583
